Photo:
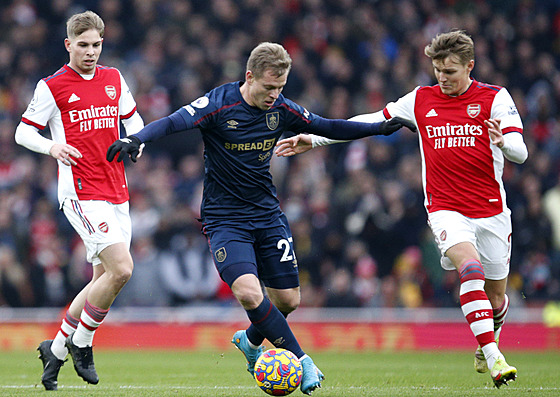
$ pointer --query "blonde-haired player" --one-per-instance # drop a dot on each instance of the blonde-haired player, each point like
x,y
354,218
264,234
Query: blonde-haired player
x,y
82,103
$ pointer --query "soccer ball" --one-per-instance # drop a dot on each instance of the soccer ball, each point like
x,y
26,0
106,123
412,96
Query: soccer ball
x,y
278,372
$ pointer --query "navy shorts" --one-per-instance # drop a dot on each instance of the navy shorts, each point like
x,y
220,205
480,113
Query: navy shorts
x,y
266,253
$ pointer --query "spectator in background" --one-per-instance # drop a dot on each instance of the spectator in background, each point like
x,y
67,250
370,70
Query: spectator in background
x,y
15,286
146,288
339,290
187,273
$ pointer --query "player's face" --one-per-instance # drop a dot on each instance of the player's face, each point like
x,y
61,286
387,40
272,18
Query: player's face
x,y
263,91
84,51
453,77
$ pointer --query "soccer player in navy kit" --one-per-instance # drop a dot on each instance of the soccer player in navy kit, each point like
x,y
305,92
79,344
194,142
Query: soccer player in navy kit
x,y
248,235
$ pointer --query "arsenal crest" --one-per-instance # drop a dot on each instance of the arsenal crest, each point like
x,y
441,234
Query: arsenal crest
x,y
473,110
111,91
272,120
221,254
103,227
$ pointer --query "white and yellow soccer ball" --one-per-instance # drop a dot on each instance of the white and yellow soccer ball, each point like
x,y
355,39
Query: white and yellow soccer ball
x,y
278,372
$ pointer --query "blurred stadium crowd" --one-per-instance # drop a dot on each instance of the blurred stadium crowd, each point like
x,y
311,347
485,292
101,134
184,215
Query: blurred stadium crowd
x,y
356,209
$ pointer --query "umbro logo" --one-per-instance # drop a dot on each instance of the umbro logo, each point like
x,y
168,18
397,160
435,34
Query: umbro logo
x,y
73,98
431,113
232,124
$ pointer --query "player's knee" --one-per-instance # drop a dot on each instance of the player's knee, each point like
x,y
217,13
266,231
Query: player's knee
x,y
125,275
121,274
496,299
249,299
289,305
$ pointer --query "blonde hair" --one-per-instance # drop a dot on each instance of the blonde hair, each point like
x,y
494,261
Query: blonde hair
x,y
456,42
269,56
79,23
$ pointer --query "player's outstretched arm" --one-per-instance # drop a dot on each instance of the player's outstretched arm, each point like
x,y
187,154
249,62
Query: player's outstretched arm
x,y
350,130
294,145
304,142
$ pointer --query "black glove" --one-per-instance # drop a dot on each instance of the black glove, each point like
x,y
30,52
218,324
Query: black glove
x,y
129,145
387,127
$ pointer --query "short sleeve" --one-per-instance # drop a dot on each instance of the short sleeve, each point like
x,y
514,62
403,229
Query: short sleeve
x,y
41,108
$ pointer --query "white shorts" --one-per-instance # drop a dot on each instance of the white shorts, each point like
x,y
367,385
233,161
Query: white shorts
x,y
490,236
99,224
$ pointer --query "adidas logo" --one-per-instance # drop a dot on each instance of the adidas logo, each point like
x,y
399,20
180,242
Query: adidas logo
x,y
431,113
73,98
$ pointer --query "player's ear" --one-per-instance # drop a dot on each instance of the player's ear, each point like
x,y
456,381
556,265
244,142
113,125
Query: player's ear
x,y
249,77
470,65
67,44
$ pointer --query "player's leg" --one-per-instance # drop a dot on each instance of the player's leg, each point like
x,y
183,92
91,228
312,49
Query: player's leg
x,y
72,317
478,311
53,352
266,317
285,300
474,302
457,236
234,256
106,230
250,341
271,323
495,290
278,271
117,263
494,247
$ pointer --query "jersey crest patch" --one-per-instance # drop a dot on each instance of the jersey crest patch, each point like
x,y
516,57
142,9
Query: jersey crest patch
x,y
111,92
221,254
103,227
473,109
272,120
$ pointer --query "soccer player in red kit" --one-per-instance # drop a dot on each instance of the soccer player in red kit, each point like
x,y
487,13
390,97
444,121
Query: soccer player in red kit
x,y
465,129
82,103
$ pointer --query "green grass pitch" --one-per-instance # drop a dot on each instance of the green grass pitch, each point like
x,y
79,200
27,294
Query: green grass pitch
x,y
186,373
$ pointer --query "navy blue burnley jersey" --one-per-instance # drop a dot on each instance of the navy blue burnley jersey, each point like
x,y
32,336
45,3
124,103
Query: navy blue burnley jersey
x,y
239,141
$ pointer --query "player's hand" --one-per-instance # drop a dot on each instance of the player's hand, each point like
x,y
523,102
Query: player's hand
x,y
387,127
294,145
495,132
141,150
126,146
64,153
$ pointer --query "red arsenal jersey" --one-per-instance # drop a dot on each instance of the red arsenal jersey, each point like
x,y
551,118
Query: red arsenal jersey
x,y
462,170
85,114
